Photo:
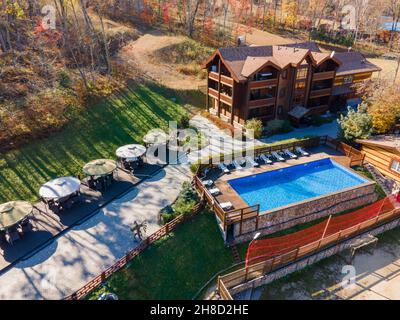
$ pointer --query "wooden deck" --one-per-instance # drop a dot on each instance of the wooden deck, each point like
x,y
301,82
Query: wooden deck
x,y
228,194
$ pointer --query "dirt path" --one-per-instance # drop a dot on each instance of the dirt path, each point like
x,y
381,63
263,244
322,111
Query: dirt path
x,y
140,54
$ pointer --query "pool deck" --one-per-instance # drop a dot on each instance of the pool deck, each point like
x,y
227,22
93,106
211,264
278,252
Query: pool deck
x,y
228,194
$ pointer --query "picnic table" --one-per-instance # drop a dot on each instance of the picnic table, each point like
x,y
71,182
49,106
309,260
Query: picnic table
x,y
13,212
131,152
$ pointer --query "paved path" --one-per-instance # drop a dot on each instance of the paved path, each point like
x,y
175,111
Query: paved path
x,y
329,129
219,141
83,252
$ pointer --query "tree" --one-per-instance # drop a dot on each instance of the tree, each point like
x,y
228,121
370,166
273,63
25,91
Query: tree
x,y
256,126
356,124
384,109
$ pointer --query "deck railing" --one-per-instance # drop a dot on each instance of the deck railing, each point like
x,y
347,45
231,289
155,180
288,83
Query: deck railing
x,y
243,275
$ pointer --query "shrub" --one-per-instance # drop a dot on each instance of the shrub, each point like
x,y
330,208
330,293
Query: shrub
x,y
256,125
183,122
64,79
356,124
279,126
184,204
317,120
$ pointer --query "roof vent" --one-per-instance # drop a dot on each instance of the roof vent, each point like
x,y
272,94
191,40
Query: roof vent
x,y
333,54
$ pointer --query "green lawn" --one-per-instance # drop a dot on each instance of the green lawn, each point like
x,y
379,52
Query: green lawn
x,y
96,133
175,267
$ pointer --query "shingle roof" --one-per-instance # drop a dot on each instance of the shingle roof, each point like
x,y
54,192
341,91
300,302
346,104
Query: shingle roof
x,y
354,62
244,61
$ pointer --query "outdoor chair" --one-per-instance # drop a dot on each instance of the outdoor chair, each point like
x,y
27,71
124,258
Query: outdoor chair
x,y
290,154
266,159
26,226
12,236
54,206
302,152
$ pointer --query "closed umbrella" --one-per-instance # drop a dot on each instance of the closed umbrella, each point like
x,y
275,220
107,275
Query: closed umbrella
x,y
100,167
14,212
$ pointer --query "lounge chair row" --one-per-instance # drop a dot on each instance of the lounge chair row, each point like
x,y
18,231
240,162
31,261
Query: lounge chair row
x,y
267,159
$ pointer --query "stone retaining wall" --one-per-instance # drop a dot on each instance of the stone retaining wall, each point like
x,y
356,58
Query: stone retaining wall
x,y
305,211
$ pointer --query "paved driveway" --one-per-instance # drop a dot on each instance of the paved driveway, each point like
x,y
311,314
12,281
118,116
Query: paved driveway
x,y
83,252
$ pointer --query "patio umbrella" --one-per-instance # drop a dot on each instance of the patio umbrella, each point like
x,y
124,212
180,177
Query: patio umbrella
x,y
100,167
13,212
156,136
131,151
59,188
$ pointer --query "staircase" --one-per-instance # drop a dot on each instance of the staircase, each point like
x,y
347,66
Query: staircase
x,y
388,185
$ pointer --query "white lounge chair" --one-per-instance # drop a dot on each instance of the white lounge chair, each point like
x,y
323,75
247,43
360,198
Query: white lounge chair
x,y
252,162
277,156
214,191
301,151
223,168
290,154
208,183
266,159
226,205
237,165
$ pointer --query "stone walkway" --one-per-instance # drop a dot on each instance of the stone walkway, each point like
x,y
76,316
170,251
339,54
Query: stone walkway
x,y
86,250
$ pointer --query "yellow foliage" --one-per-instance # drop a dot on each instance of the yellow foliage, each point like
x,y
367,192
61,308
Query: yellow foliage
x,y
385,109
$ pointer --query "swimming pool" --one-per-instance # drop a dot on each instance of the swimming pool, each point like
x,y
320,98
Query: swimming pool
x,y
279,188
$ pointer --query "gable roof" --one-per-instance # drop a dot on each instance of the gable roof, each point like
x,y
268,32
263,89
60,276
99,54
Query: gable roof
x,y
388,142
354,62
242,62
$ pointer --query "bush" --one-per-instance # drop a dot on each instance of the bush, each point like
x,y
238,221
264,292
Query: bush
x,y
184,204
64,79
356,124
317,120
256,125
183,122
279,126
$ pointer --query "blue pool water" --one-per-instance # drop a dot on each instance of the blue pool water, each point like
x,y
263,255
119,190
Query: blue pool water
x,y
280,188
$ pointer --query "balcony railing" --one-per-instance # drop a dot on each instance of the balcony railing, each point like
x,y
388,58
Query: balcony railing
x,y
320,93
224,97
262,102
224,79
263,83
323,75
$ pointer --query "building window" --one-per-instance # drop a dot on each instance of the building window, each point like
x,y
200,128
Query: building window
x,y
300,85
395,166
302,73
348,80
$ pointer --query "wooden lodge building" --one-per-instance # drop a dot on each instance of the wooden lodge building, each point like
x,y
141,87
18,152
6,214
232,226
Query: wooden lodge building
x,y
383,152
286,81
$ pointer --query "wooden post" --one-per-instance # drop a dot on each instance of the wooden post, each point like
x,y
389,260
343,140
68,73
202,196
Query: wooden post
x,y
219,88
233,103
207,96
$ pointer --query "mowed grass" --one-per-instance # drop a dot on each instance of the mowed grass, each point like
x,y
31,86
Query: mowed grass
x,y
96,133
174,267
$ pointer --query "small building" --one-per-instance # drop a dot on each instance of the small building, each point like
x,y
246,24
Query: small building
x,y
383,152
278,82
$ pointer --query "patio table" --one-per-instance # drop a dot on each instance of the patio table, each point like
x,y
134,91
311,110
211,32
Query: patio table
x,y
13,212
60,188
100,167
131,152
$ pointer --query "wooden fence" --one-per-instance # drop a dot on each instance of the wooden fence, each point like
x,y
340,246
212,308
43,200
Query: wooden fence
x,y
241,276
163,231
356,156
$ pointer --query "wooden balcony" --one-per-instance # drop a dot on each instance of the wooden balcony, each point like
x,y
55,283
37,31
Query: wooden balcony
x,y
323,75
224,98
263,83
261,102
224,79
320,93
213,93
